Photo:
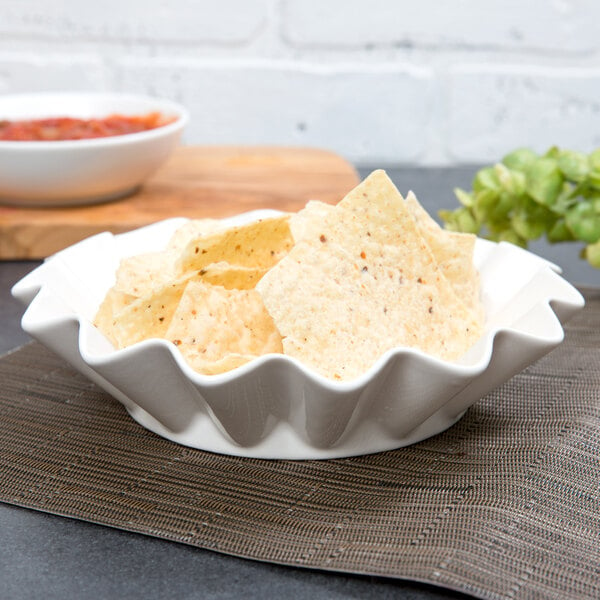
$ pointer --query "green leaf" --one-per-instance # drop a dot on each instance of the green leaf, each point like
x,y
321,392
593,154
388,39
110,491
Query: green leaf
x,y
520,160
574,165
531,220
592,254
484,202
544,181
566,198
460,220
512,237
447,217
583,220
528,195
463,197
559,232
594,159
594,179
497,227
512,182
527,226
504,205
467,223
486,179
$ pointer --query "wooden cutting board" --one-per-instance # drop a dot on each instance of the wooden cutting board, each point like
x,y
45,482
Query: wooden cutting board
x,y
196,182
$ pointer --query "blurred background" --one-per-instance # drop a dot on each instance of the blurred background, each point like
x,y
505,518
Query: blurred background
x,y
395,84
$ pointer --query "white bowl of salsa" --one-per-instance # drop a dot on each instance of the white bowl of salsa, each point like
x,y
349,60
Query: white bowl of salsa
x,y
60,149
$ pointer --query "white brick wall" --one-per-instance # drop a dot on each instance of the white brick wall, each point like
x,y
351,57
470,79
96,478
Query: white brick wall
x,y
297,103
379,81
545,105
438,24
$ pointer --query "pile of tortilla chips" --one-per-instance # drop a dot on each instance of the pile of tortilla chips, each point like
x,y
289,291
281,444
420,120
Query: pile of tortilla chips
x,y
334,286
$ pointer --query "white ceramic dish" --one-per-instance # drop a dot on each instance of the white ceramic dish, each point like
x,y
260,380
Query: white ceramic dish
x,y
83,171
275,407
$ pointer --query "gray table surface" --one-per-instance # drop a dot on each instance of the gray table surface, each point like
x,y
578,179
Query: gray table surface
x,y
45,556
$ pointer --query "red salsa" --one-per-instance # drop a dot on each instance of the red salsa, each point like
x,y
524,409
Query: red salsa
x,y
67,128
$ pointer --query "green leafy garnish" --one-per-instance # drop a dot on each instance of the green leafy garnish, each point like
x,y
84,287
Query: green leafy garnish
x,y
527,196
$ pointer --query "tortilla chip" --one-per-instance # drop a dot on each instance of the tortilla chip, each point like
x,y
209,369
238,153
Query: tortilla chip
x,y
227,363
212,323
193,229
309,217
229,276
146,317
454,253
126,320
363,281
138,275
342,284
259,244
114,302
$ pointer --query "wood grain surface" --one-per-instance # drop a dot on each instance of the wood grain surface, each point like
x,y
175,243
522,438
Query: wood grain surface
x,y
196,182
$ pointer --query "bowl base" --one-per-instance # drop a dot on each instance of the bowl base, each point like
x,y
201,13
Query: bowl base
x,y
283,443
66,202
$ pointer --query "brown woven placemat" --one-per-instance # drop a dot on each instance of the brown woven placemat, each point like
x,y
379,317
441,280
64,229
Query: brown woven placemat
x,y
505,504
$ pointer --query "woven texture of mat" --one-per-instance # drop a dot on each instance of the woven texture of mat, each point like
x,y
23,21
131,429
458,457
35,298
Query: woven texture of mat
x,y
505,504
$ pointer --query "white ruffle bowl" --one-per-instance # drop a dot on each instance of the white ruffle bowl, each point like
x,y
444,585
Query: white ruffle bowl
x,y
73,172
275,407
